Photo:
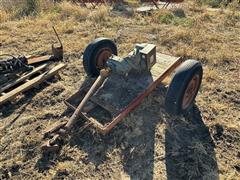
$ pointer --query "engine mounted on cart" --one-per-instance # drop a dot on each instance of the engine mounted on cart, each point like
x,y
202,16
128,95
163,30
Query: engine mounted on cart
x,y
142,58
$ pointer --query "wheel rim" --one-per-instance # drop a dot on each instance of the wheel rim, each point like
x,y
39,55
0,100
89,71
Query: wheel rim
x,y
190,91
102,57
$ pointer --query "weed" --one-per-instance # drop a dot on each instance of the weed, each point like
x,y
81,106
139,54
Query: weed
x,y
67,9
167,18
175,18
100,15
30,7
4,16
215,3
232,18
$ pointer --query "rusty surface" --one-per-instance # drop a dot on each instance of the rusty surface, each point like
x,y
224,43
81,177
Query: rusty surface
x,y
103,56
57,126
167,2
48,148
57,53
58,50
190,91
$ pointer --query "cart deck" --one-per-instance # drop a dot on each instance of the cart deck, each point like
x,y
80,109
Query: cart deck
x,y
118,95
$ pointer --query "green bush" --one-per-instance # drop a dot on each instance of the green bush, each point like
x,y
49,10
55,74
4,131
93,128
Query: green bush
x,y
167,18
215,3
171,18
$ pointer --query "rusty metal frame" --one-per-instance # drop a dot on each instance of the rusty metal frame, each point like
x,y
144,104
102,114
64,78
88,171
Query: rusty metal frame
x,y
104,129
167,2
95,3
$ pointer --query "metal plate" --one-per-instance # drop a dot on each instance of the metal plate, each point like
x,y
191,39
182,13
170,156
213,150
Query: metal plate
x,y
119,91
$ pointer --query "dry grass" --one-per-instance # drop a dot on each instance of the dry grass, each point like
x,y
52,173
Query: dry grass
x,y
149,143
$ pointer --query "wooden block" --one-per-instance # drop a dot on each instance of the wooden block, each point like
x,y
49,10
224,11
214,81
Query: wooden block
x,y
39,59
28,85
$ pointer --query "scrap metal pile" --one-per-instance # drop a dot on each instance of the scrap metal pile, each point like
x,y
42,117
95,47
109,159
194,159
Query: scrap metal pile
x,y
18,74
167,2
14,64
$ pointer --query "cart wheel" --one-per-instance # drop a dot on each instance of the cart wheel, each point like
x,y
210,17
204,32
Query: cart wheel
x,y
96,54
184,87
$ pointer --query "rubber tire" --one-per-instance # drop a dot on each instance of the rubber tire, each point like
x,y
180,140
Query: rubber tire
x,y
91,51
183,75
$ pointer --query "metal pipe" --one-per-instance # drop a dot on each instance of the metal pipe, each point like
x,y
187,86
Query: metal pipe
x,y
103,74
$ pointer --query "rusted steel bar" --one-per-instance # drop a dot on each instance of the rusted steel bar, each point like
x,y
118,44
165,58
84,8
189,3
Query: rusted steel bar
x,y
103,74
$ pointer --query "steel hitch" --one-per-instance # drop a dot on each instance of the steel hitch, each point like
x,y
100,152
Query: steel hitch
x,y
59,132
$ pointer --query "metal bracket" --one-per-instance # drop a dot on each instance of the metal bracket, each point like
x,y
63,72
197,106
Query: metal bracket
x,y
57,51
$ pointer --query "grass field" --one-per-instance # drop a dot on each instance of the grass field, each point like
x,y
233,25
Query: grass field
x,y
148,144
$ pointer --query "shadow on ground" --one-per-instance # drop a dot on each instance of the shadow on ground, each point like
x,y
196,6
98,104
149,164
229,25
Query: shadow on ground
x,y
19,106
189,148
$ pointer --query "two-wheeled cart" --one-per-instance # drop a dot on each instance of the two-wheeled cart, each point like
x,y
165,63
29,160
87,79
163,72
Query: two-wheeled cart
x,y
118,85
